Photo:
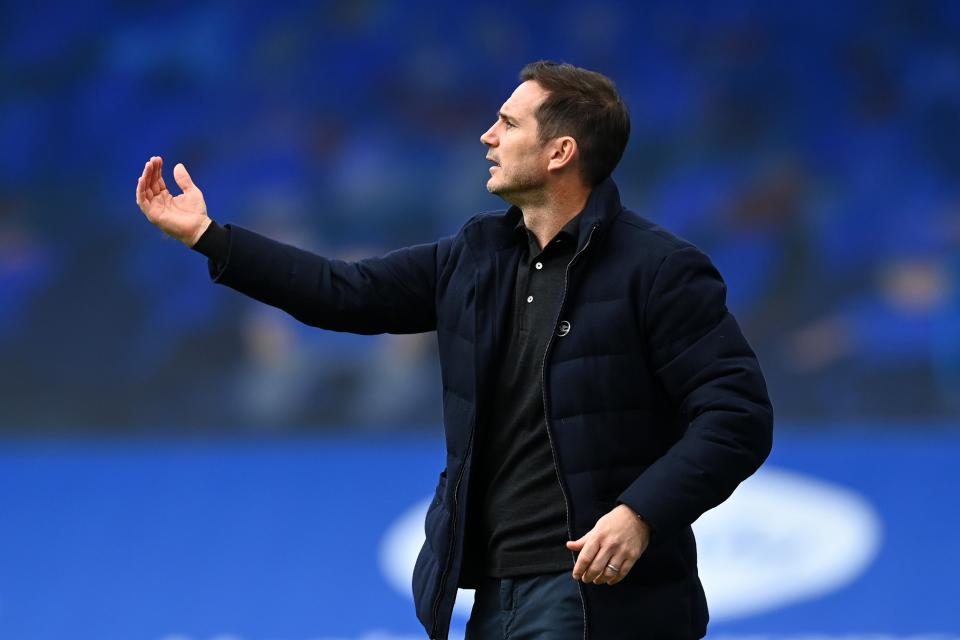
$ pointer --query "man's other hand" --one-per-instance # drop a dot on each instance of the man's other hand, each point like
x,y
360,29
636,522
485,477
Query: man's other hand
x,y
607,552
183,217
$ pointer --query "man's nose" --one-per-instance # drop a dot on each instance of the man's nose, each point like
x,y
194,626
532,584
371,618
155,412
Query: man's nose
x,y
488,138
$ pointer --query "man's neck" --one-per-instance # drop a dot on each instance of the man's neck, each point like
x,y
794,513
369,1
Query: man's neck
x,y
545,218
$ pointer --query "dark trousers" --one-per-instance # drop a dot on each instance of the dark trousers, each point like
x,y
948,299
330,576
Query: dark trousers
x,y
546,607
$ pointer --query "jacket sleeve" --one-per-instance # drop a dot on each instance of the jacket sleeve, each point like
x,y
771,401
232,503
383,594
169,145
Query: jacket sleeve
x,y
395,293
711,376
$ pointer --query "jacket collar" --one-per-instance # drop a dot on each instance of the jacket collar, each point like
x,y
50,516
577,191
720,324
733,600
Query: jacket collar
x,y
603,205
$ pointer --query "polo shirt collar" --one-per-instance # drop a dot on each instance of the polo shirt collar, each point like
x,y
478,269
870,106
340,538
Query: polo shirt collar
x,y
570,232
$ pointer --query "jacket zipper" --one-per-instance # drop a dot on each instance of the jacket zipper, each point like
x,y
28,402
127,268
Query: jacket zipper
x,y
453,523
546,412
556,466
453,533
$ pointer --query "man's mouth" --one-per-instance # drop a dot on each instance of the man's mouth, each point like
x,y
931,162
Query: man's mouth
x,y
495,163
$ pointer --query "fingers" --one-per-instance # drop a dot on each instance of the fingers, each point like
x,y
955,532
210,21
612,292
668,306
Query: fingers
x,y
598,572
608,567
151,183
576,545
585,558
594,561
608,552
142,197
591,565
624,565
156,176
158,183
147,185
611,575
182,177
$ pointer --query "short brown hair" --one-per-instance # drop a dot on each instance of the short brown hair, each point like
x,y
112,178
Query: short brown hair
x,y
586,106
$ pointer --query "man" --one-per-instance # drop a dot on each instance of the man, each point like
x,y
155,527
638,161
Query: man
x,y
597,395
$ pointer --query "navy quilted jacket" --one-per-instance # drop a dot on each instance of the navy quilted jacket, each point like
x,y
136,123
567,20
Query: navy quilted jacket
x,y
653,396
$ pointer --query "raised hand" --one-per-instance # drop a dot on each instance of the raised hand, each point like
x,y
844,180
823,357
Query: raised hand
x,y
183,217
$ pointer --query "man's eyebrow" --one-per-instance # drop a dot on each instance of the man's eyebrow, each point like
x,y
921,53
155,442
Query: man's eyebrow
x,y
504,116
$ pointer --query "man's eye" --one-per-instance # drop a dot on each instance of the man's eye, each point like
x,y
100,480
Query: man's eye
x,y
508,124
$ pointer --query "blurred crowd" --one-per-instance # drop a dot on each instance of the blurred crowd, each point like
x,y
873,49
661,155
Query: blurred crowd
x,y
812,150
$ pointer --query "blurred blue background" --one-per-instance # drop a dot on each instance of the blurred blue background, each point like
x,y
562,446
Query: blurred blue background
x,y
180,463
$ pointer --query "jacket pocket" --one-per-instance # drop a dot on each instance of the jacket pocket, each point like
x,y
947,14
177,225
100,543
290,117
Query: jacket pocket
x,y
438,493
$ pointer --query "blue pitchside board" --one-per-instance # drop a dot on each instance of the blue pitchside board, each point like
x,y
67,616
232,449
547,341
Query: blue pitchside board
x,y
850,536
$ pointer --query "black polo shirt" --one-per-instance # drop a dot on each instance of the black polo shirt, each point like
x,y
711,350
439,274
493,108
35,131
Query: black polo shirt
x,y
518,512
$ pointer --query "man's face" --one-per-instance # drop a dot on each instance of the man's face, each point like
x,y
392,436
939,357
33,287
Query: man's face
x,y
520,161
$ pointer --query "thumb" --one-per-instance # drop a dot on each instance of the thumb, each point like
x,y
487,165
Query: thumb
x,y
576,545
182,177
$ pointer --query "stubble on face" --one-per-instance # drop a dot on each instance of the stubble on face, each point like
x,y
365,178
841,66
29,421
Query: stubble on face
x,y
514,179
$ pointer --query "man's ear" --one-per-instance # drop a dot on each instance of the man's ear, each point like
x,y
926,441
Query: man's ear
x,y
563,151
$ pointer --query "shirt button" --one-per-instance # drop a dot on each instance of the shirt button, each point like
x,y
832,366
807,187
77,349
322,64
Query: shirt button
x,y
529,298
539,265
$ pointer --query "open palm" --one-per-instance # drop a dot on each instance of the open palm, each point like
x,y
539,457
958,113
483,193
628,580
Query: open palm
x,y
183,217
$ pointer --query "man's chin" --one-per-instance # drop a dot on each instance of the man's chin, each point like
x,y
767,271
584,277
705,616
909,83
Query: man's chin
x,y
509,194
498,188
